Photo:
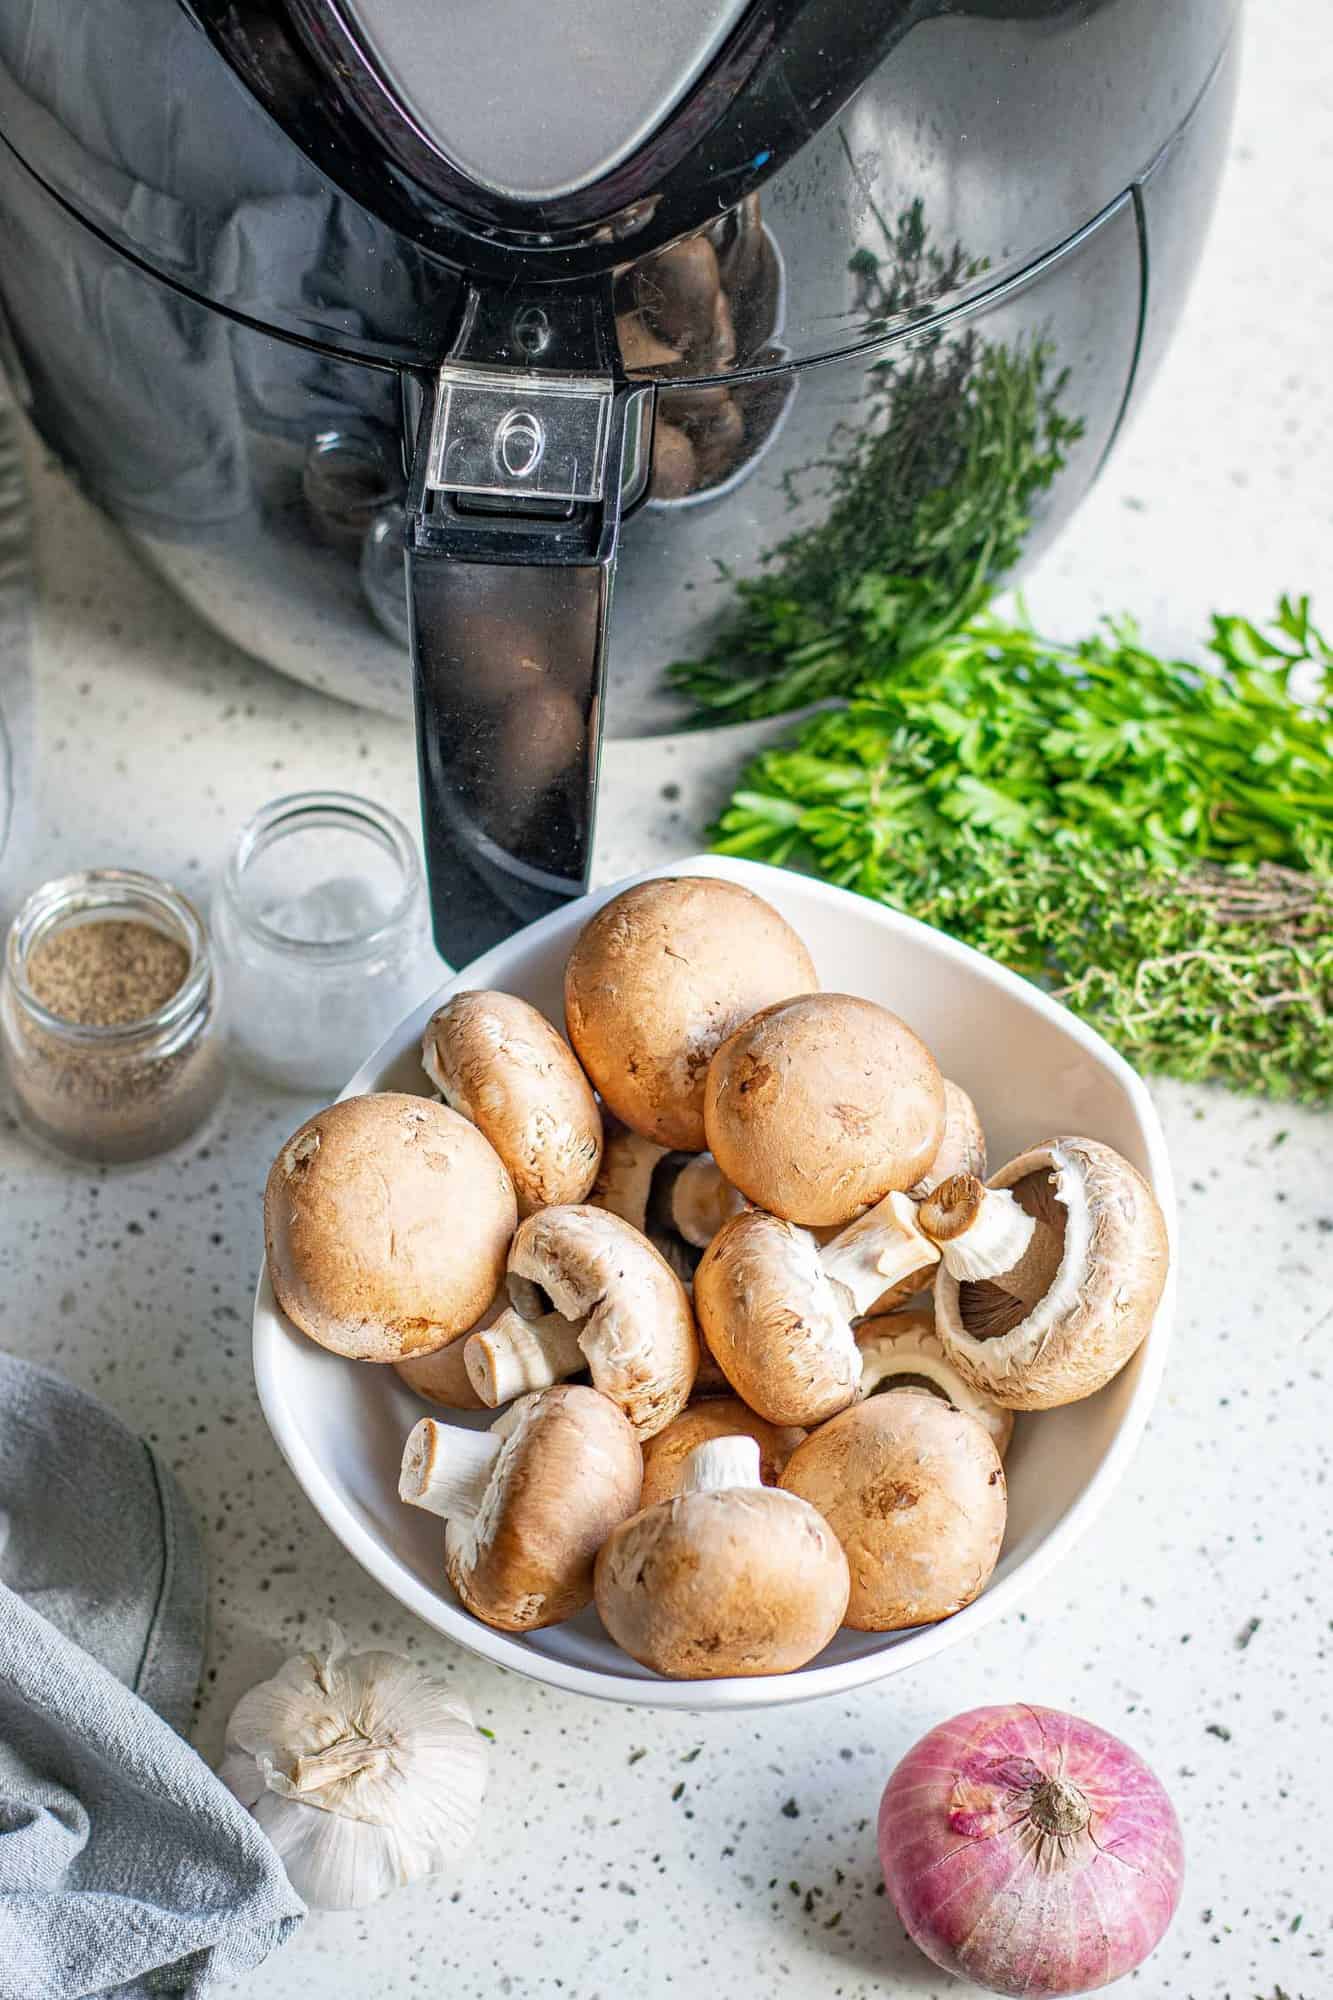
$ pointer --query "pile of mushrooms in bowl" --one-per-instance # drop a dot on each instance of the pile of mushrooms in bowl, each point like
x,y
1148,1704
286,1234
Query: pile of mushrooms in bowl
x,y
770,1328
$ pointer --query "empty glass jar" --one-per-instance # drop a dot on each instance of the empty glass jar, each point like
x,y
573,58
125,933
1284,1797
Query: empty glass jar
x,y
320,923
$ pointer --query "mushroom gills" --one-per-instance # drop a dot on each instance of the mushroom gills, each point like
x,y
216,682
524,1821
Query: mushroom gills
x,y
678,1200
919,1383
990,1307
659,1222
980,1232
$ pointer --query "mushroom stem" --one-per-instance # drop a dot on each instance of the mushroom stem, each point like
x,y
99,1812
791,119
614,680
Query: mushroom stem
x,y
517,1354
702,1200
981,1232
879,1249
625,1182
721,1465
445,1470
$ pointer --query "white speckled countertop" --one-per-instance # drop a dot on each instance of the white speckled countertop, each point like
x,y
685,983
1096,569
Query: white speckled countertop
x,y
626,1852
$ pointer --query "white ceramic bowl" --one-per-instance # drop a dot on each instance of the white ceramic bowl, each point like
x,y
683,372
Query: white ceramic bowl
x,y
1034,1072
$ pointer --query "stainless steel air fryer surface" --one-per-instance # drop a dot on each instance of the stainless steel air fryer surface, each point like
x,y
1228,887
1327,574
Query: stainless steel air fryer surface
x,y
691,300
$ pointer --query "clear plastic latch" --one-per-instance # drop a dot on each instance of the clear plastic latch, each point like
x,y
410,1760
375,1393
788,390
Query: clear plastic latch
x,y
506,433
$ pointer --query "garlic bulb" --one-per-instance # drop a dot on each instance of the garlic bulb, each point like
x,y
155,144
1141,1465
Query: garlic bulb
x,y
365,1772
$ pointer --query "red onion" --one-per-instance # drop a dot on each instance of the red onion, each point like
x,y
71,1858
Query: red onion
x,y
1029,1851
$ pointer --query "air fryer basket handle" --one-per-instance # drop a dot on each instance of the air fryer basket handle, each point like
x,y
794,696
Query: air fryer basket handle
x,y
508,600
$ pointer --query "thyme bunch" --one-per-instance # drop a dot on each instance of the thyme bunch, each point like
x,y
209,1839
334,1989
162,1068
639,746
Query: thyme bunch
x,y
1151,840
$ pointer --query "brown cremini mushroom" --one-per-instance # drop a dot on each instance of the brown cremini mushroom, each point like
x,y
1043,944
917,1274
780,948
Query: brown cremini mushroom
x,y
728,1577
527,1503
1056,1324
501,1065
702,1199
678,1200
660,976
776,1308
962,1149
387,1220
915,1493
725,1416
820,1106
591,1292
442,1377
903,1351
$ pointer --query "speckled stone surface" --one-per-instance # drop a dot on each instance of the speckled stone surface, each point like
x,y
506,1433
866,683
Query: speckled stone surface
x,y
624,1853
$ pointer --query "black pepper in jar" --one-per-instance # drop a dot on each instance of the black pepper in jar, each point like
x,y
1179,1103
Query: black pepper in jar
x,y
109,1016
107,972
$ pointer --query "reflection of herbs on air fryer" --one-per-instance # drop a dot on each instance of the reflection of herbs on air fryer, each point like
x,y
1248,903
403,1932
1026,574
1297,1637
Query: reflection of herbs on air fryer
x,y
931,496
1154,842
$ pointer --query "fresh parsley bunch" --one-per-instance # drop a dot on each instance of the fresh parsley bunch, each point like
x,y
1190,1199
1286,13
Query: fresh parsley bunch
x,y
1152,840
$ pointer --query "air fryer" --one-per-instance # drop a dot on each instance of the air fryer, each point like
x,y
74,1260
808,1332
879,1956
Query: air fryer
x,y
478,357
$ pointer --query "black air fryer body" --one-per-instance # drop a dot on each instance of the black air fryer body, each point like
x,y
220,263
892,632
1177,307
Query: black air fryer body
x,y
554,295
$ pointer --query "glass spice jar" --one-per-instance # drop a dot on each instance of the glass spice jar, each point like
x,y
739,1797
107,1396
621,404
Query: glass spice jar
x,y
112,1042
321,927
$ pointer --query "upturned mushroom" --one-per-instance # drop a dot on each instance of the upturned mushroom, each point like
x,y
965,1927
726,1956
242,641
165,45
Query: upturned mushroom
x,y
387,1220
678,1200
729,1577
702,1199
1056,1323
914,1492
725,1416
903,1351
660,976
820,1106
776,1307
528,1503
500,1064
591,1292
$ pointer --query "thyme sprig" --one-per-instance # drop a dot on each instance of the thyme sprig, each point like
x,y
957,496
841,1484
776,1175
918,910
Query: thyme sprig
x,y
1152,840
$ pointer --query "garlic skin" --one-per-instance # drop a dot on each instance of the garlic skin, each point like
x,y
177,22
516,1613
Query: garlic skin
x,y
365,1772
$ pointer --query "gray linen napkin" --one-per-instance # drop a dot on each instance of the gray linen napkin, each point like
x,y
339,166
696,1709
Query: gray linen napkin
x,y
15,652
125,1866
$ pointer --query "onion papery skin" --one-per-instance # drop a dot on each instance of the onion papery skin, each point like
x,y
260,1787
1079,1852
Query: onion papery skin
x,y
990,1896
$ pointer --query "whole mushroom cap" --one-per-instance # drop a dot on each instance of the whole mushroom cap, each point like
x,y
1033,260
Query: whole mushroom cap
x,y
500,1064
915,1493
718,1583
1084,1298
820,1106
441,1377
722,1416
658,978
773,1323
569,1471
387,1220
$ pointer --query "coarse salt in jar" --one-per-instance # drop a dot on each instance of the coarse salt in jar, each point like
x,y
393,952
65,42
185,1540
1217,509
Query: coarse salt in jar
x,y
321,925
110,1016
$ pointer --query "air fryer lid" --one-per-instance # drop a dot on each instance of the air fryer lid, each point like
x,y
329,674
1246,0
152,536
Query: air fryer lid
x,y
551,142
537,101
